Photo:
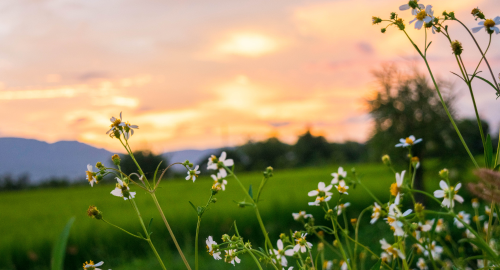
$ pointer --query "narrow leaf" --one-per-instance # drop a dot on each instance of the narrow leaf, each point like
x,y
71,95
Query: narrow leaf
x,y
59,251
149,226
376,266
194,207
250,191
156,172
428,46
488,82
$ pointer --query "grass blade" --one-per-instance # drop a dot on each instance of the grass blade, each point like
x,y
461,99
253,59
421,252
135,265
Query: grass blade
x,y
59,251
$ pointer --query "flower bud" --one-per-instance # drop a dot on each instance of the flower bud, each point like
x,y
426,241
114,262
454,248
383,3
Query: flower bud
x,y
248,245
413,4
235,238
99,177
93,212
444,173
475,203
478,14
376,20
386,160
99,166
214,200
353,221
447,238
308,260
321,234
415,161
383,30
268,172
456,47
321,247
297,235
335,243
393,15
116,159
414,226
400,24
226,238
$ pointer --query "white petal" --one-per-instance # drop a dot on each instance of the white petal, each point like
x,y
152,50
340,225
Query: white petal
x,y
496,29
321,185
89,167
404,7
222,172
428,9
419,24
229,162
117,192
327,188
419,140
458,186
289,252
99,263
214,177
443,185
477,29
497,20
313,193
458,198
439,193
222,156
132,194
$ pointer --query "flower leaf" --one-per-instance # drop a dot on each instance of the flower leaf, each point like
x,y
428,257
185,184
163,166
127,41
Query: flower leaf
x,y
250,191
488,153
376,266
60,247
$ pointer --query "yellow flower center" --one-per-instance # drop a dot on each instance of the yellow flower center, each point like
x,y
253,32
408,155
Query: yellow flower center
x,y
394,189
90,175
489,23
460,216
116,123
408,140
342,189
420,16
86,263
391,220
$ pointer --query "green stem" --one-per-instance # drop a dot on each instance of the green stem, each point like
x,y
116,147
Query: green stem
x,y
256,209
127,232
443,103
196,244
254,258
148,239
170,231
428,195
338,240
482,57
370,193
368,249
357,230
489,230
483,54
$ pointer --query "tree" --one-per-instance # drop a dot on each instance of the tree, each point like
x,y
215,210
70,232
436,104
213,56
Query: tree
x,y
405,104
311,150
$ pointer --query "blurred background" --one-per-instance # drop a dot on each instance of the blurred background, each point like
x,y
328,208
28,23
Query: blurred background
x,y
303,86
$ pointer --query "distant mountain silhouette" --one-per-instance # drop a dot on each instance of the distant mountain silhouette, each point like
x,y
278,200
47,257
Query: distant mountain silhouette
x,y
68,159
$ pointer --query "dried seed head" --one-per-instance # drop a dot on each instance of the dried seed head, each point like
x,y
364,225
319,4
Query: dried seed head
x,y
488,187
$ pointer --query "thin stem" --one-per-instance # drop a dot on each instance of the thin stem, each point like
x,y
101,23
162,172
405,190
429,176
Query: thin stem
x,y
170,230
443,103
368,249
428,195
483,54
147,233
480,61
312,261
357,230
489,229
196,244
338,239
256,209
127,232
254,258
369,192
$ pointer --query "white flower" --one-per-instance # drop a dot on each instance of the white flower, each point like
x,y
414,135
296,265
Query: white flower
x,y
116,123
435,251
328,265
396,187
219,181
231,257
279,253
343,265
475,203
214,163
320,200
421,264
446,191
385,257
92,266
376,213
212,248
301,215
122,188
391,250
413,10
192,174
487,210
302,244
489,24
341,174
424,227
463,216
90,175
409,141
393,216
419,248
342,188
423,16
340,208
128,129
322,191
439,225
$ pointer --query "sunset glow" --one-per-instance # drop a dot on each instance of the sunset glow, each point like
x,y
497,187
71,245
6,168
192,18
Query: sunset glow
x,y
198,75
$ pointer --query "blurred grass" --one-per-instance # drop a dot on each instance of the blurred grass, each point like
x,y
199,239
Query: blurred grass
x,y
32,220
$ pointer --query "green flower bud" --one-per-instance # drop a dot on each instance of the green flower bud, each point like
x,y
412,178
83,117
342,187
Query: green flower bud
x,y
116,159
93,212
413,4
226,238
444,173
393,15
386,159
456,47
383,30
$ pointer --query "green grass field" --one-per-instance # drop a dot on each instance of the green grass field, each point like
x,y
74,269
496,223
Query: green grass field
x,y
32,220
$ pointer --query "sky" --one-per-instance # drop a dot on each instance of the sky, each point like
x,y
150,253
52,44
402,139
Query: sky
x,y
207,74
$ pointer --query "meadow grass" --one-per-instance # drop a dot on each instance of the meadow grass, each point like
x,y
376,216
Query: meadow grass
x,y
33,219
